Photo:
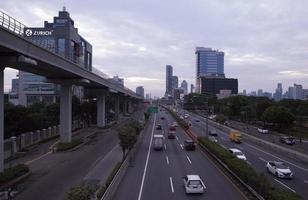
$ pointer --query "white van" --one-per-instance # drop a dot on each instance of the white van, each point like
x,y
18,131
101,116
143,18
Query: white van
x,y
158,142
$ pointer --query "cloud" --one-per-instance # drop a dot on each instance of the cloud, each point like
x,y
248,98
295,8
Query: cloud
x,y
264,41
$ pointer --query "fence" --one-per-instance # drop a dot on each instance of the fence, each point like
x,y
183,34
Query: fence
x,y
19,143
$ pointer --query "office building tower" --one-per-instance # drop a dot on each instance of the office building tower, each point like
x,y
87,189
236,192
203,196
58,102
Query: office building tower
x,y
260,92
244,92
192,88
305,94
140,91
175,82
169,80
184,86
278,92
298,91
60,37
209,62
291,92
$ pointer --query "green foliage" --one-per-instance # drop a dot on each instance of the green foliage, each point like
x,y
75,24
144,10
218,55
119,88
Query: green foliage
x,y
128,135
62,146
146,116
245,172
221,118
82,192
278,116
13,172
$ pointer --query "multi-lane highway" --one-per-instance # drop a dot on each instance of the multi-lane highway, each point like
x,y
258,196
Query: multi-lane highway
x,y
159,174
257,156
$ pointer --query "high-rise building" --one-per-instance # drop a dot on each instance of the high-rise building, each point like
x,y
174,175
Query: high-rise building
x,y
260,92
298,91
192,88
184,86
305,94
175,82
209,63
60,37
291,92
140,91
268,95
169,73
278,92
244,92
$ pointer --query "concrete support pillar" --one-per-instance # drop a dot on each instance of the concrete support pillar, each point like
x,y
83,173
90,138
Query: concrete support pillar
x,y
14,146
22,141
101,110
66,113
1,119
117,107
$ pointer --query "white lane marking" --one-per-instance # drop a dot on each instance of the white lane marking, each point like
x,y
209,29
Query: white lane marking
x,y
167,159
147,160
165,146
177,138
188,159
181,146
223,146
285,185
262,159
249,162
306,182
171,184
38,158
306,170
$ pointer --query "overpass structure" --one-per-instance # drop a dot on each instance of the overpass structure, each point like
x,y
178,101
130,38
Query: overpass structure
x,y
19,53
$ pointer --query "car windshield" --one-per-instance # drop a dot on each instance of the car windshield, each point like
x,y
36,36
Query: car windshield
x,y
194,182
281,166
238,153
189,142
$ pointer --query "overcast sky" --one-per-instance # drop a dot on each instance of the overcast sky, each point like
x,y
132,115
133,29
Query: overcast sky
x,y
265,42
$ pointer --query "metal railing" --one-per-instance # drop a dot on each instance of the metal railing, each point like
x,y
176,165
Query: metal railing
x,y
11,24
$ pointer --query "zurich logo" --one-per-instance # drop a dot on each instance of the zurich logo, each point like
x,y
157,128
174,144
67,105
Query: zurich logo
x,y
28,32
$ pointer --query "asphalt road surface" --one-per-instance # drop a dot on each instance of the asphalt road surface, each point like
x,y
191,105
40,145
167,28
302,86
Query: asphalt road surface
x,y
159,174
257,156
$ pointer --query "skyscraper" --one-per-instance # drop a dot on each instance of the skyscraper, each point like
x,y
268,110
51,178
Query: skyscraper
x,y
192,88
184,86
298,91
140,91
175,82
260,92
278,92
209,63
169,72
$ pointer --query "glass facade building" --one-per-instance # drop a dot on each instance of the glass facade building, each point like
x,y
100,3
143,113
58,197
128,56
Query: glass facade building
x,y
62,38
209,62
169,80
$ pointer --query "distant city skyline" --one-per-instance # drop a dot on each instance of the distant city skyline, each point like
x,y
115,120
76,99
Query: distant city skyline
x,y
133,41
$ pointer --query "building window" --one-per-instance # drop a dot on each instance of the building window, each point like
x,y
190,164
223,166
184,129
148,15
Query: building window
x,y
61,47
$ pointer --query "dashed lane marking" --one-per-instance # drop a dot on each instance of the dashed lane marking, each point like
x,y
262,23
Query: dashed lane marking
x,y
171,184
285,185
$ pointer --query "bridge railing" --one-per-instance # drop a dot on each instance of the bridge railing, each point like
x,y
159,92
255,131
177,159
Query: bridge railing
x,y
11,24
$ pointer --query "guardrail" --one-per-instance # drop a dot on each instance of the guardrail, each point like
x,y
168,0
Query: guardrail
x,y
11,24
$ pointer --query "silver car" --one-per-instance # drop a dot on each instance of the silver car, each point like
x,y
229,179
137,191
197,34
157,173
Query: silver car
x,y
193,184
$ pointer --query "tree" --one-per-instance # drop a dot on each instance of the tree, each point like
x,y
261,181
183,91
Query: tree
x,y
127,136
278,116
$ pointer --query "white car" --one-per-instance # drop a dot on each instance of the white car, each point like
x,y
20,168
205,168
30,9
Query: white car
x,y
193,184
175,124
279,169
261,130
238,153
213,139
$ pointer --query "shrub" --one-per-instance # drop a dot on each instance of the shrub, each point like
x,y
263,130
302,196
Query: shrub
x,y
82,192
246,173
13,172
63,146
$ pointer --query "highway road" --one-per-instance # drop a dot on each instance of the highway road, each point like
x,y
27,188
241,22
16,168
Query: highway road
x,y
257,156
159,174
